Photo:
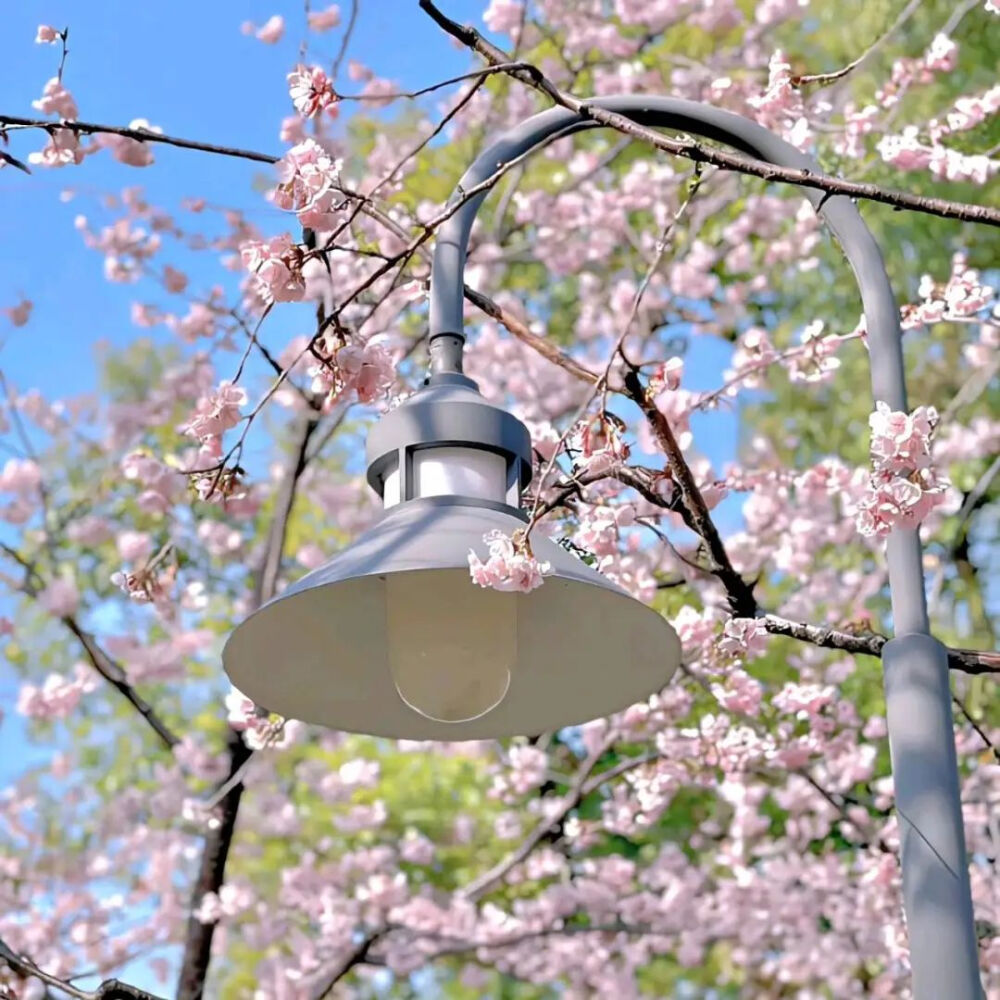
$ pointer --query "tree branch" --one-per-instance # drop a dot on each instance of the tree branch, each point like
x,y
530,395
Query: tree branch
x,y
700,153
218,841
139,134
110,989
485,883
741,598
110,670
113,673
357,956
968,661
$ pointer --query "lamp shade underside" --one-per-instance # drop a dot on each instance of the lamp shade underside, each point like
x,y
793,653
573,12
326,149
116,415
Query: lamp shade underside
x,y
392,637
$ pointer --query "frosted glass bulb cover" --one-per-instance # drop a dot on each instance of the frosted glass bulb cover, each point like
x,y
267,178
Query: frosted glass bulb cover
x,y
451,674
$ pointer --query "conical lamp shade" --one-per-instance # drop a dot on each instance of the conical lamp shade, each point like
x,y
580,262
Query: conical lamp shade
x,y
393,638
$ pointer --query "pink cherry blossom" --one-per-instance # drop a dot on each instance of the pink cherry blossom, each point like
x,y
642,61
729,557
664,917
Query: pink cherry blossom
x,y
56,100
174,280
324,20
942,54
62,149
58,696
270,32
815,362
161,485
780,106
276,266
230,901
217,412
258,731
744,637
61,597
804,700
310,556
527,768
141,586
600,443
20,475
311,91
308,176
201,319
504,16
894,501
510,565
775,11
740,693
134,545
132,152
47,34
21,313
899,441
366,369
667,375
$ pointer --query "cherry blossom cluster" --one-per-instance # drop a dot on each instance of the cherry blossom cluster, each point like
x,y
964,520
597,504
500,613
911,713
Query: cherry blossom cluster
x,y
59,696
509,565
307,179
311,91
962,296
903,488
340,368
276,268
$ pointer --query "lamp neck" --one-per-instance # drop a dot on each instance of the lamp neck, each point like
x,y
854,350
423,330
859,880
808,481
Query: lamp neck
x,y
446,353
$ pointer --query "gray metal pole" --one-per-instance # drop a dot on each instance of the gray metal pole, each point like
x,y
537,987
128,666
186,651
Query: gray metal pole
x,y
936,893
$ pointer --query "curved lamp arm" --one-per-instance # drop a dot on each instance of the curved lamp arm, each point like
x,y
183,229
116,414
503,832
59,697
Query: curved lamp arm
x,y
936,890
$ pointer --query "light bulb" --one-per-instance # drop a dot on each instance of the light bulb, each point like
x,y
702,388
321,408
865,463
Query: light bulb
x,y
458,671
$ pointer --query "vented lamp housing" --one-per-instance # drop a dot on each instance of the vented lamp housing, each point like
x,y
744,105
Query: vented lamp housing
x,y
392,637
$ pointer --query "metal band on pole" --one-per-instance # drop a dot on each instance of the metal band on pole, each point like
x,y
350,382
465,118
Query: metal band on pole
x,y
937,896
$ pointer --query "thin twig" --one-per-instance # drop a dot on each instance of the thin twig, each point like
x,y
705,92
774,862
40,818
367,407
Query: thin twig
x,y
352,19
485,882
904,15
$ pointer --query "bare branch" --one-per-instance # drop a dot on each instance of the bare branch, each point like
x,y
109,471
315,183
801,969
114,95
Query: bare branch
x,y
967,661
115,675
108,668
740,593
346,40
357,956
141,135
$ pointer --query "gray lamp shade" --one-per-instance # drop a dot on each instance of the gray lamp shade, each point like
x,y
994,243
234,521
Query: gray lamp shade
x,y
393,638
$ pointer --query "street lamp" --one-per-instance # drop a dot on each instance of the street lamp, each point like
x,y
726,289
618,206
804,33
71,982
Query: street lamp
x,y
391,637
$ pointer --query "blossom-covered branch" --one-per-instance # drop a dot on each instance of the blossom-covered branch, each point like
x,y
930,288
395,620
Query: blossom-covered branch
x,y
700,153
219,837
110,989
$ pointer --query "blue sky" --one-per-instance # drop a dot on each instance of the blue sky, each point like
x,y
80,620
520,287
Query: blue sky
x,y
186,68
